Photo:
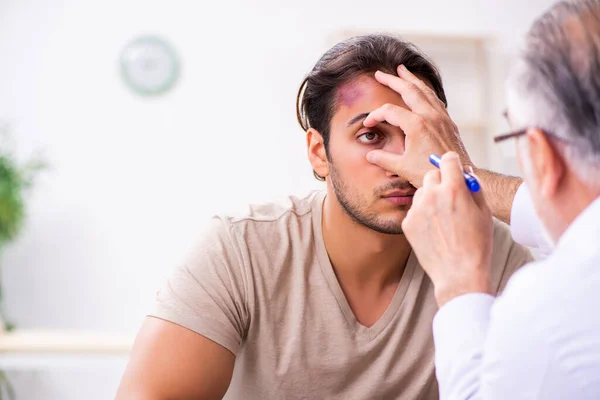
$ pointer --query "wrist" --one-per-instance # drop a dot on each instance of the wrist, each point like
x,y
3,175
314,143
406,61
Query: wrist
x,y
499,192
445,294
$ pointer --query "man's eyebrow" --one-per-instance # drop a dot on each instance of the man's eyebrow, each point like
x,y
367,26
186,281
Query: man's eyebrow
x,y
360,117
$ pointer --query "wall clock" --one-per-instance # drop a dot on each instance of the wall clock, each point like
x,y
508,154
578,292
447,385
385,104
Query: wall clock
x,y
149,65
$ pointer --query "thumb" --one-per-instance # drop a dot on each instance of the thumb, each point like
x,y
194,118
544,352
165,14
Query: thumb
x,y
391,162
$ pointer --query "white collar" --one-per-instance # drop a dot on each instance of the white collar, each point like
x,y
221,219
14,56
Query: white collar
x,y
583,233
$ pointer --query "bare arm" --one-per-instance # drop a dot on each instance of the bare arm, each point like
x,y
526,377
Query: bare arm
x,y
171,362
499,191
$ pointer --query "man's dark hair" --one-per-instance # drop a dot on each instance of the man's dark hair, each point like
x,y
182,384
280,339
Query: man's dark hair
x,y
346,61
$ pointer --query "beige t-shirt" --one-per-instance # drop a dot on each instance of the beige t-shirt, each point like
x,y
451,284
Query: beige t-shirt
x,y
262,286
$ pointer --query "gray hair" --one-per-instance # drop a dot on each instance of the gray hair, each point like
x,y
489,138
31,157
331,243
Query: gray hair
x,y
555,85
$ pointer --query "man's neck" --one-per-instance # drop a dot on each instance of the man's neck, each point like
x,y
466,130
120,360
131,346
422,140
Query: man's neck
x,y
360,256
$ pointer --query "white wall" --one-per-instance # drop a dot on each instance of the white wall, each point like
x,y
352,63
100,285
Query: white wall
x,y
132,179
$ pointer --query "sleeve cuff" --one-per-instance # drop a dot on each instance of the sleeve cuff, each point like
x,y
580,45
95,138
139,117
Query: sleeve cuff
x,y
523,220
525,226
461,323
210,329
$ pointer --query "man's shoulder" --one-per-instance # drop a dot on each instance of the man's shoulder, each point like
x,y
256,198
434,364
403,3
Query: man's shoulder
x,y
260,233
268,224
291,206
502,234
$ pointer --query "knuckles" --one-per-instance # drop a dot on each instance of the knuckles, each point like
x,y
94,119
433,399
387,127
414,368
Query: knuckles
x,y
420,122
388,108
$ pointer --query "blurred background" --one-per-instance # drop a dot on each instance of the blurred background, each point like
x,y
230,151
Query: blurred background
x,y
152,116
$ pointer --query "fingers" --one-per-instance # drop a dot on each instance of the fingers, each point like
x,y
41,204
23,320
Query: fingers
x,y
434,100
389,161
410,123
415,93
414,98
392,114
431,178
452,171
418,196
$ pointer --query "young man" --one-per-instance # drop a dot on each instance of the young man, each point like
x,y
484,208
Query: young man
x,y
317,297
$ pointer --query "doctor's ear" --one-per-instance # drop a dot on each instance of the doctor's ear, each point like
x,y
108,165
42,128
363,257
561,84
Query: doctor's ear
x,y
547,165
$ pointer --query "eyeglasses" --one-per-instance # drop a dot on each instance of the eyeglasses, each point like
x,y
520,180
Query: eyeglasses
x,y
521,132
515,134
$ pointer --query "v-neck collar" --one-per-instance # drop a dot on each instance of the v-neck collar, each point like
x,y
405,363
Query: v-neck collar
x,y
362,332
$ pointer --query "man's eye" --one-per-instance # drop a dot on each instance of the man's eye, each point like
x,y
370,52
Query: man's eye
x,y
369,137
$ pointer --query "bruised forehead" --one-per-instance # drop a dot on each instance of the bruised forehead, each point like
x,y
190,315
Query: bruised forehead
x,y
355,99
350,92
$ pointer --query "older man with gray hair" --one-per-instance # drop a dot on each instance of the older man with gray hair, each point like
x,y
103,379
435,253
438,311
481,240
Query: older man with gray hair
x,y
541,338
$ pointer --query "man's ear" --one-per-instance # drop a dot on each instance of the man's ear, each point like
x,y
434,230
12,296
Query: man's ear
x,y
316,153
547,164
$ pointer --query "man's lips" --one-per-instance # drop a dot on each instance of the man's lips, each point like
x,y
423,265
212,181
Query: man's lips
x,y
400,197
400,193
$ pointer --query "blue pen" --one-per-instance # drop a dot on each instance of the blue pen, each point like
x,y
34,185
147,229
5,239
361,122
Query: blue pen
x,y
470,180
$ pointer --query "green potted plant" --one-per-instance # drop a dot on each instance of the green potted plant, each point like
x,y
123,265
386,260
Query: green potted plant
x,y
15,180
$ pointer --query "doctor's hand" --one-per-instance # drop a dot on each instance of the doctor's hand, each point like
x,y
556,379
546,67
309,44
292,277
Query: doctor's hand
x,y
451,230
427,126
